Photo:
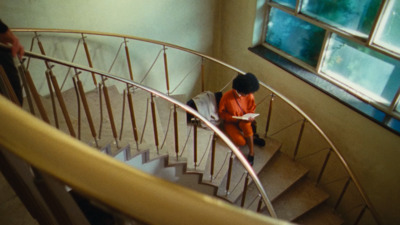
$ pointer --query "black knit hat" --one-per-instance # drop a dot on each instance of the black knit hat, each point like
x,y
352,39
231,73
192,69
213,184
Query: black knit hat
x,y
245,84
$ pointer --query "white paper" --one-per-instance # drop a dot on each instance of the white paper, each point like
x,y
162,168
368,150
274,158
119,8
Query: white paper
x,y
246,116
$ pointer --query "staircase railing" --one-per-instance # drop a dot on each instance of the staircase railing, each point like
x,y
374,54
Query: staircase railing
x,y
304,119
104,180
105,76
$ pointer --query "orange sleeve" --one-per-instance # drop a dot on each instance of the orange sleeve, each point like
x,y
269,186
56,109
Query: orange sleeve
x,y
229,106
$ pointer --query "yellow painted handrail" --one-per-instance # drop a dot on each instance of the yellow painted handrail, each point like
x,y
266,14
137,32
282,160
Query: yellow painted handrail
x,y
134,193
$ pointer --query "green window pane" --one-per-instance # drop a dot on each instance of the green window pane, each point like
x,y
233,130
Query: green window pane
x,y
352,15
389,31
367,71
294,36
288,3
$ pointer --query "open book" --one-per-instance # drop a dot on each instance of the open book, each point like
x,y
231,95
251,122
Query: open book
x,y
246,116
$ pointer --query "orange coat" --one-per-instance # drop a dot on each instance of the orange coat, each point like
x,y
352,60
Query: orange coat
x,y
236,129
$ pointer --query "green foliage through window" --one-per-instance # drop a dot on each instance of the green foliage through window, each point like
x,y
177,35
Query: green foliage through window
x,y
350,56
294,36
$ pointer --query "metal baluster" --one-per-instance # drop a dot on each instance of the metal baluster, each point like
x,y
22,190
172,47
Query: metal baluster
x,y
214,142
79,108
324,166
153,114
299,139
62,103
176,132
123,115
128,59
342,193
269,114
133,119
166,69
89,59
30,87
6,87
26,88
245,189
110,112
361,214
53,103
259,203
195,142
228,181
86,107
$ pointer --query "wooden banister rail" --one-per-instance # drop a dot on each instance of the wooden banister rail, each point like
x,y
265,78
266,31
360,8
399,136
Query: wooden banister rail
x,y
133,118
86,108
62,103
177,103
110,112
31,88
49,150
89,58
7,88
166,69
155,127
128,59
176,132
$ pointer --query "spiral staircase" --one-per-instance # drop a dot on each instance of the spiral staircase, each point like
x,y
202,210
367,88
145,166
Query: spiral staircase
x,y
295,198
195,157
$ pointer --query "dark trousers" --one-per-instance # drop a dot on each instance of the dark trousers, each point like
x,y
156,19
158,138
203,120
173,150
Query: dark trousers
x,y
7,62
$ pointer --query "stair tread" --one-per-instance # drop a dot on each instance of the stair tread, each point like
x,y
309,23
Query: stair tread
x,y
262,156
320,215
278,175
303,197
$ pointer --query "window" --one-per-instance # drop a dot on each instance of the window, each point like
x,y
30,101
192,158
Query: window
x,y
354,44
305,39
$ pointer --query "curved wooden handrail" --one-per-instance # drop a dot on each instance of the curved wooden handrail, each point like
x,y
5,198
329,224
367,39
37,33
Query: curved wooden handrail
x,y
276,93
127,37
66,158
185,107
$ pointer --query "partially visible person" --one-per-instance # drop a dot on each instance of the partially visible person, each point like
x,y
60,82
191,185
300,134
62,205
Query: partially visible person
x,y
7,37
237,102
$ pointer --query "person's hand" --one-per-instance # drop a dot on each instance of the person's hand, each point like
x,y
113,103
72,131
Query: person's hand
x,y
251,119
9,38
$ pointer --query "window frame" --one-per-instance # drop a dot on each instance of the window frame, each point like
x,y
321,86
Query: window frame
x,y
364,40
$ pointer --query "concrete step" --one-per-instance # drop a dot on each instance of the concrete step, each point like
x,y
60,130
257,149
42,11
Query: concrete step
x,y
262,156
277,176
280,174
320,215
298,200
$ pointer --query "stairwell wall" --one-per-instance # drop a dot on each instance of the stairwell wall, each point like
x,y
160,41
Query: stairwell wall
x,y
182,22
371,150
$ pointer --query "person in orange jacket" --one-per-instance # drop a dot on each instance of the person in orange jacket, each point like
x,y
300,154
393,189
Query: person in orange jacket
x,y
237,102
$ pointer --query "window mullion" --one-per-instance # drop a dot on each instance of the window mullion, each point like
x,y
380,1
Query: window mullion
x,y
298,6
265,28
378,20
324,49
395,101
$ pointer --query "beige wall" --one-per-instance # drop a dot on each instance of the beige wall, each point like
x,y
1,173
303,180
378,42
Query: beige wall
x,y
371,151
188,23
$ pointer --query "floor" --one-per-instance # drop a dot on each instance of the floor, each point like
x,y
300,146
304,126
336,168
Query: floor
x,y
12,211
